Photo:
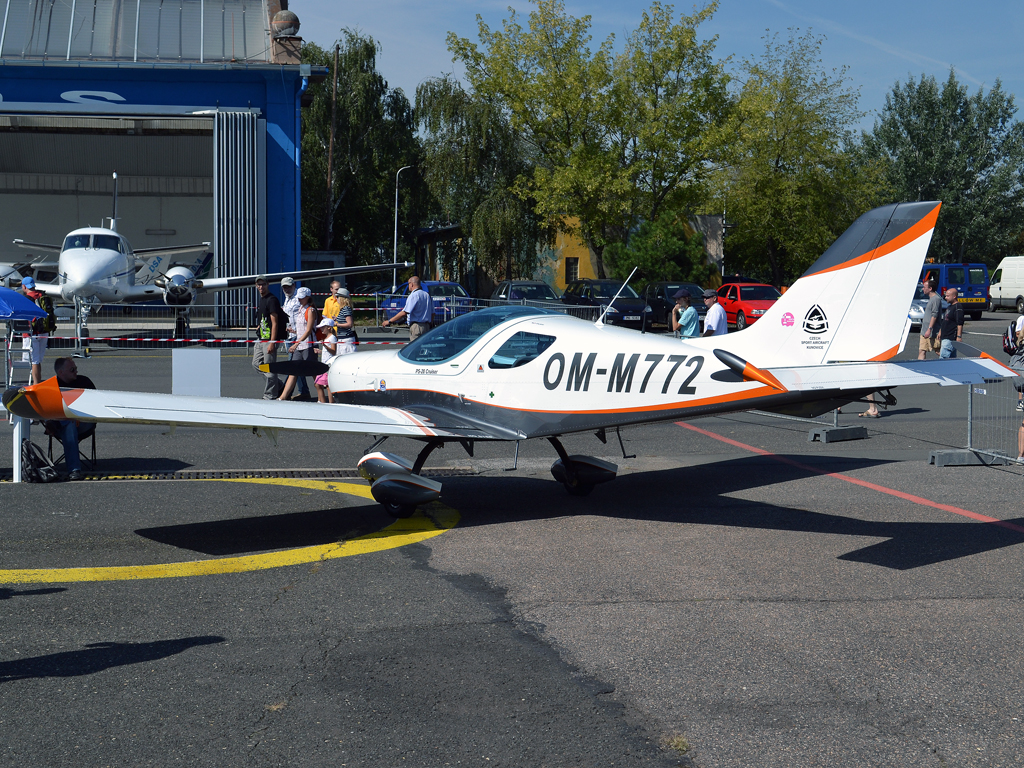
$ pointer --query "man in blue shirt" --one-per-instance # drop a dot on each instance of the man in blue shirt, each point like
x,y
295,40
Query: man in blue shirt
x,y
419,309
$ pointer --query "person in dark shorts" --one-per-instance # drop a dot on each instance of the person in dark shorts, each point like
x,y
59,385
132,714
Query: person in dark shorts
x,y
271,329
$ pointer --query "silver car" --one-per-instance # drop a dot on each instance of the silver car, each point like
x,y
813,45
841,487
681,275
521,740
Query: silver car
x,y
917,308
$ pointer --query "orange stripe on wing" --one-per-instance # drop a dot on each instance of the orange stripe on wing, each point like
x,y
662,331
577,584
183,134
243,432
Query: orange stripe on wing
x,y
45,399
926,224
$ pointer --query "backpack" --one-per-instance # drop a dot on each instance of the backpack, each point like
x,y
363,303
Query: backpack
x,y
1010,339
46,324
35,467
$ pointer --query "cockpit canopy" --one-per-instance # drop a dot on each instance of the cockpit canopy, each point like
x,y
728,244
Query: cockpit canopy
x,y
446,341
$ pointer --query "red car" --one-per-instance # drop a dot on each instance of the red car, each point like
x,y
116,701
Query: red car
x,y
744,303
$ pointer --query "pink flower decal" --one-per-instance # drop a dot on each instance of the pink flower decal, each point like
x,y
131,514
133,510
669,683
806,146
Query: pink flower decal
x,y
787,320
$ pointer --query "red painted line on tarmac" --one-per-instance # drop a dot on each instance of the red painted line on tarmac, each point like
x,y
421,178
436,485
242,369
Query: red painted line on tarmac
x,y
863,483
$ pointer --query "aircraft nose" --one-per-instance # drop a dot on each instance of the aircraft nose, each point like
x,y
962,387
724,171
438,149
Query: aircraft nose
x,y
77,280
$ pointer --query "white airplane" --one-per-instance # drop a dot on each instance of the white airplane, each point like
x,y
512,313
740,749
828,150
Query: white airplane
x,y
520,373
97,265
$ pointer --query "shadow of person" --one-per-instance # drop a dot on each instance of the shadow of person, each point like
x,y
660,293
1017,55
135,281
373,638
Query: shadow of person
x,y
96,657
6,593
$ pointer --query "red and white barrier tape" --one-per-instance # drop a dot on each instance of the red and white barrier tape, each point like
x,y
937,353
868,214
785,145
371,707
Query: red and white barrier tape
x,y
192,341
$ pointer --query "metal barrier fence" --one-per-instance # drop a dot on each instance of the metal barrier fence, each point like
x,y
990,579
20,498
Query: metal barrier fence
x,y
995,419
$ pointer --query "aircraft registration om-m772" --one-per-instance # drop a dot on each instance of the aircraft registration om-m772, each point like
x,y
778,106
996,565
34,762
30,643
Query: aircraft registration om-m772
x,y
519,373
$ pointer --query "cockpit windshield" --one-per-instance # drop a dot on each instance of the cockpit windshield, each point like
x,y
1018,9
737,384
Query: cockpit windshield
x,y
76,241
448,340
110,242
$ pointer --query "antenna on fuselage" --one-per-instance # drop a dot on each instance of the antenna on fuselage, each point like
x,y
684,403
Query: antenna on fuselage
x,y
600,321
113,218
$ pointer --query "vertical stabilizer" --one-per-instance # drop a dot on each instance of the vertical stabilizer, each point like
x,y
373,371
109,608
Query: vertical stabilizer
x,y
852,304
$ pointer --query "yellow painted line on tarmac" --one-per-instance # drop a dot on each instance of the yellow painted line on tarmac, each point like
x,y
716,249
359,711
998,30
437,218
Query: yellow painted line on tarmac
x,y
419,527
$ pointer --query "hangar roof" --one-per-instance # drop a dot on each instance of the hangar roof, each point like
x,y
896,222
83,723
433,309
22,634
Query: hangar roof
x,y
169,31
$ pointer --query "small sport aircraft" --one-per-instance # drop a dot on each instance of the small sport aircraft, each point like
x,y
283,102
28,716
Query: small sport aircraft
x,y
97,265
518,373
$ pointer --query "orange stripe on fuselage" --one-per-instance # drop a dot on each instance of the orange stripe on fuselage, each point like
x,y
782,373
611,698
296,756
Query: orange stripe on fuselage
x,y
760,392
921,228
885,355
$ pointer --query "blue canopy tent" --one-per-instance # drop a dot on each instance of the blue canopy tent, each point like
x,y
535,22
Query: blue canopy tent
x,y
14,307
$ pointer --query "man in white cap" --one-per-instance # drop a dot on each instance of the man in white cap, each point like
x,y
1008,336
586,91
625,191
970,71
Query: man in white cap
x,y
715,322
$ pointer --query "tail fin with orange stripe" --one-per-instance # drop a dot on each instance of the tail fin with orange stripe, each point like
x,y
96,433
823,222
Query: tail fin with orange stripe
x,y
852,304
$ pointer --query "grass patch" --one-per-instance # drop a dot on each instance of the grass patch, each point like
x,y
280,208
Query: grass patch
x,y
676,742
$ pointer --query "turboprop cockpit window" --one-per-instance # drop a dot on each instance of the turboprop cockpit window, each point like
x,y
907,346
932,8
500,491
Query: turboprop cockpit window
x,y
110,242
520,349
76,241
448,340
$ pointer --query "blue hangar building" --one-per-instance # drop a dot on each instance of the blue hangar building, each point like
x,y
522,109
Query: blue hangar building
x,y
195,105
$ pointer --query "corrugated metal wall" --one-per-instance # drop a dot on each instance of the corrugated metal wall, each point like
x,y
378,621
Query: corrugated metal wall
x,y
239,200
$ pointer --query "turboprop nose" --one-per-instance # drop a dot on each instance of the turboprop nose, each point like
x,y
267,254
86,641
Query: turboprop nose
x,y
78,279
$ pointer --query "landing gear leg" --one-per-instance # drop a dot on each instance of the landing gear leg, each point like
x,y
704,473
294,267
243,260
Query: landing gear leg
x,y
82,310
182,326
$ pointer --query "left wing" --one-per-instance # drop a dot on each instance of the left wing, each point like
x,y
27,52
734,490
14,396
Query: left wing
x,y
48,401
37,246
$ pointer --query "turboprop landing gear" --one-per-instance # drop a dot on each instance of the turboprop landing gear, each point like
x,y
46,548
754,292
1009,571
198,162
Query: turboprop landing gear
x,y
182,326
397,485
579,474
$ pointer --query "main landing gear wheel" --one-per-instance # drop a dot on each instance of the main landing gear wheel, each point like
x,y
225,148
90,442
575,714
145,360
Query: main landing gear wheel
x,y
1020,305
579,489
741,321
399,511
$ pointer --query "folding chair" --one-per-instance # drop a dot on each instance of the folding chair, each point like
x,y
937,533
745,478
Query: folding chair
x,y
85,432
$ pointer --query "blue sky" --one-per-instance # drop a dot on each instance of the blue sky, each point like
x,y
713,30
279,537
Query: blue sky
x,y
879,42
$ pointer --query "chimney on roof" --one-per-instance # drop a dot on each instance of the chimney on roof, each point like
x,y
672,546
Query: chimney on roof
x,y
286,45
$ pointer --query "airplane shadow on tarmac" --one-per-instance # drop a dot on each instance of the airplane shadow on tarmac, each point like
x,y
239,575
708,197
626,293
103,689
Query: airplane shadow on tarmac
x,y
97,657
698,495
248,535
695,495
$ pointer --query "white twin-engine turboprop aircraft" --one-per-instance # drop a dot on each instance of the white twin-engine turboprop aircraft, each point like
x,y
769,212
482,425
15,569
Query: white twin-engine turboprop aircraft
x,y
518,373
98,266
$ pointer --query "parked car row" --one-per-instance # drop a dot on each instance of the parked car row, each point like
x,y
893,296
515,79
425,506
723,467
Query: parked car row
x,y
743,302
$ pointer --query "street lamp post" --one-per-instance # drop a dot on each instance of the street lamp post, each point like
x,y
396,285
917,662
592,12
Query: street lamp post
x,y
394,274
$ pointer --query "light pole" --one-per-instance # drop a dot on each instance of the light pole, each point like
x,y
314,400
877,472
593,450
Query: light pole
x,y
394,273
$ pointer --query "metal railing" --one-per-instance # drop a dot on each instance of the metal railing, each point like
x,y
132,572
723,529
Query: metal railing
x,y
995,419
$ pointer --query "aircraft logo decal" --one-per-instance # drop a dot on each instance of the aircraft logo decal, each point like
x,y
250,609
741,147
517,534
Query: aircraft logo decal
x,y
383,386
815,321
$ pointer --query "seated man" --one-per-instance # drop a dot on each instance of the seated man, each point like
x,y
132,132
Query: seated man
x,y
69,431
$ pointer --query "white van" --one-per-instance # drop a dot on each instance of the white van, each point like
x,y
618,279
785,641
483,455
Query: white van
x,y
1007,285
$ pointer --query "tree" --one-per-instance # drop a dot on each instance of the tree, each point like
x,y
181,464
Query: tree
x,y
617,139
792,184
967,151
665,249
471,160
373,138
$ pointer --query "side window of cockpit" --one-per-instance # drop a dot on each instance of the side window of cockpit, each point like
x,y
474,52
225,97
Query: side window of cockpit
x,y
520,349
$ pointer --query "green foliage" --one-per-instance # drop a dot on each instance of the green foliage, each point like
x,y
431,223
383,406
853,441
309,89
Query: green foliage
x,y
373,138
967,151
666,249
471,160
792,185
615,138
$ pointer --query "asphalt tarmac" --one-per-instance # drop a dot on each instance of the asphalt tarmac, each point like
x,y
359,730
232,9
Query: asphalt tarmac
x,y
764,601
